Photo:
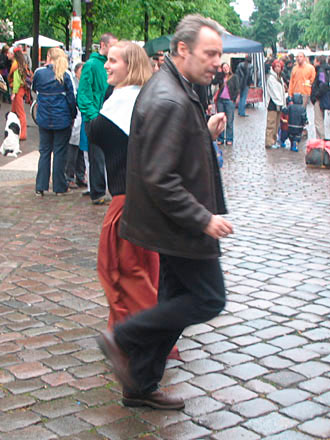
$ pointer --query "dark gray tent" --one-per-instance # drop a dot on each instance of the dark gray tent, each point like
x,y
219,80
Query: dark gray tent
x,y
235,44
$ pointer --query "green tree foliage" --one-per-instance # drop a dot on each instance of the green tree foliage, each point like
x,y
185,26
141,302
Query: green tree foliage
x,y
294,24
264,22
318,32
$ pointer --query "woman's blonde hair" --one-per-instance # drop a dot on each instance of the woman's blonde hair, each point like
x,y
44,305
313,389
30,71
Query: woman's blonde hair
x,y
139,70
59,61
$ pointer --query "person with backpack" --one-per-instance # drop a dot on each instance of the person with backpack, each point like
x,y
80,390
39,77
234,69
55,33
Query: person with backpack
x,y
297,119
320,96
19,72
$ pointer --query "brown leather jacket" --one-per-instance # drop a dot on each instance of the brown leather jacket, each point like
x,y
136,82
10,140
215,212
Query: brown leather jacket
x,y
173,179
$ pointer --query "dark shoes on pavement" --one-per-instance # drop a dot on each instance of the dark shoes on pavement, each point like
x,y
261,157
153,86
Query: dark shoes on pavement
x,y
118,359
158,399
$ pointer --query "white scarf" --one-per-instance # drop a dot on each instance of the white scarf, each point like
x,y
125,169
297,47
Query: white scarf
x,y
118,107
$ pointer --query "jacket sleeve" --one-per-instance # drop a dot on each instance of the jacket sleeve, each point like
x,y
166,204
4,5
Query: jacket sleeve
x,y
85,97
164,141
69,90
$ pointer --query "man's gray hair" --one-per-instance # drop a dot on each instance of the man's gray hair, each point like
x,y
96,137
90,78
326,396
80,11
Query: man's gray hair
x,y
188,31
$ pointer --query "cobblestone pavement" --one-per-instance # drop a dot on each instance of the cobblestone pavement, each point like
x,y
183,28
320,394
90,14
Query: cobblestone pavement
x,y
261,370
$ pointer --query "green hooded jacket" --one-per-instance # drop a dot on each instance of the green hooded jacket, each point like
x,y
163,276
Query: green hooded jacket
x,y
92,86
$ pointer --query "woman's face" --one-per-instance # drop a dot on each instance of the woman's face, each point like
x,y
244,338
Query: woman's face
x,y
115,66
277,69
10,55
225,68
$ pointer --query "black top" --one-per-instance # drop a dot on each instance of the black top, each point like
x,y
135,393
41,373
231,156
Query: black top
x,y
113,142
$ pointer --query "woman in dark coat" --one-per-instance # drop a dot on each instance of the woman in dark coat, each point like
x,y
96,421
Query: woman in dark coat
x,y
226,100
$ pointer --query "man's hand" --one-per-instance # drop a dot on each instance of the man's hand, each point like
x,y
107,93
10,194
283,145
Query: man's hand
x,y
217,124
218,227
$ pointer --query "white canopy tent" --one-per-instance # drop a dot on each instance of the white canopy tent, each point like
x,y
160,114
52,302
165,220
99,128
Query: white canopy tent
x,y
43,42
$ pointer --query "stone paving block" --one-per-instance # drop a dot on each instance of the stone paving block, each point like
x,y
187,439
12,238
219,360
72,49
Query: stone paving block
x,y
299,354
185,390
202,366
318,427
192,355
290,435
104,415
17,420
53,393
205,338
57,408
6,377
219,420
272,423
284,378
260,324
224,321
305,410
56,379
197,330
234,394
236,330
89,355
181,431
97,396
275,362
15,402
283,310
320,347
175,375
273,332
317,385
33,355
220,347
247,371
202,405
164,418
260,350
289,341
89,370
311,369
9,347
288,397
30,433
260,387
212,382
231,359
88,383
236,433
28,370
324,398
254,408
67,425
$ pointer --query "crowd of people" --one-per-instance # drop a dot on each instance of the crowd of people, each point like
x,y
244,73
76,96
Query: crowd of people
x,y
121,123
290,87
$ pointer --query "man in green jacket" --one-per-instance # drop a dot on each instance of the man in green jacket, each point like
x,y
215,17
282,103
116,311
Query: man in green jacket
x,y
92,87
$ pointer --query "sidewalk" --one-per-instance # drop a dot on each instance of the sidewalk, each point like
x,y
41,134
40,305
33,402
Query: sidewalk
x,y
261,370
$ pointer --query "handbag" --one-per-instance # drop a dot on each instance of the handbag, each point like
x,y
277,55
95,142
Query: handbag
x,y
3,85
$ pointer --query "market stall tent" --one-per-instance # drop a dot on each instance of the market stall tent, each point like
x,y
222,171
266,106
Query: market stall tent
x,y
43,42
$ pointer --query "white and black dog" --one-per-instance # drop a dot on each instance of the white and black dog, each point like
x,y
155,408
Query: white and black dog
x,y
10,144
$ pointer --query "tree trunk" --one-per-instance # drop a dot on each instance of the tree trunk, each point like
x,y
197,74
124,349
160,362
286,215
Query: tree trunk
x,y
67,35
146,26
35,32
162,25
89,29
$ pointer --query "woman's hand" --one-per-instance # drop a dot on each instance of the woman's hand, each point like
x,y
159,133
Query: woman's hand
x,y
12,96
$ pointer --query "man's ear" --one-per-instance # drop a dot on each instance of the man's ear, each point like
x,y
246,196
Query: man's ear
x,y
183,49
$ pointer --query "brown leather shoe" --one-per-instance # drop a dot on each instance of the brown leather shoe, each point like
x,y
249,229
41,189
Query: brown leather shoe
x,y
157,399
118,359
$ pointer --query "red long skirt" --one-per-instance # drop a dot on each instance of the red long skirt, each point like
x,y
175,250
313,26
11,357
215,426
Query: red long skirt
x,y
128,273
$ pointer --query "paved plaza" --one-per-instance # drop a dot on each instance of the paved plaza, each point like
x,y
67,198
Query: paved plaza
x,y
261,370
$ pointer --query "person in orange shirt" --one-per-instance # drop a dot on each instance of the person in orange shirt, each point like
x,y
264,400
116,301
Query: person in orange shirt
x,y
302,78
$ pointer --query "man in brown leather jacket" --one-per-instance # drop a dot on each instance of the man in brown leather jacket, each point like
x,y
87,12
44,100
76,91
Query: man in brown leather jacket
x,y
174,203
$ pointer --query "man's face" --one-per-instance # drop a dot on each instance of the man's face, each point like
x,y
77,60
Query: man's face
x,y
104,48
300,58
201,63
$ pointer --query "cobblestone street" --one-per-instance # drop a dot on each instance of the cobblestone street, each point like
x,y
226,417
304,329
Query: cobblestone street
x,y
261,370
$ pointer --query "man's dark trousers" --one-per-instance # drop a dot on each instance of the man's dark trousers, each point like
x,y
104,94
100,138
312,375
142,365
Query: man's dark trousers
x,y
96,169
190,292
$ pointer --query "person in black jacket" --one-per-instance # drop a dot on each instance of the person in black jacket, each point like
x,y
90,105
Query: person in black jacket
x,y
226,100
174,206
320,96
244,72
297,118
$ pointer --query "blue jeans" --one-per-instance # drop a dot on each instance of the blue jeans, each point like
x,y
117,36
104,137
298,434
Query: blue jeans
x,y
227,106
56,142
242,101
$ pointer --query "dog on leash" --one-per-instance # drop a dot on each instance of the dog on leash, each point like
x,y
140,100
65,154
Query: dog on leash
x,y
10,144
